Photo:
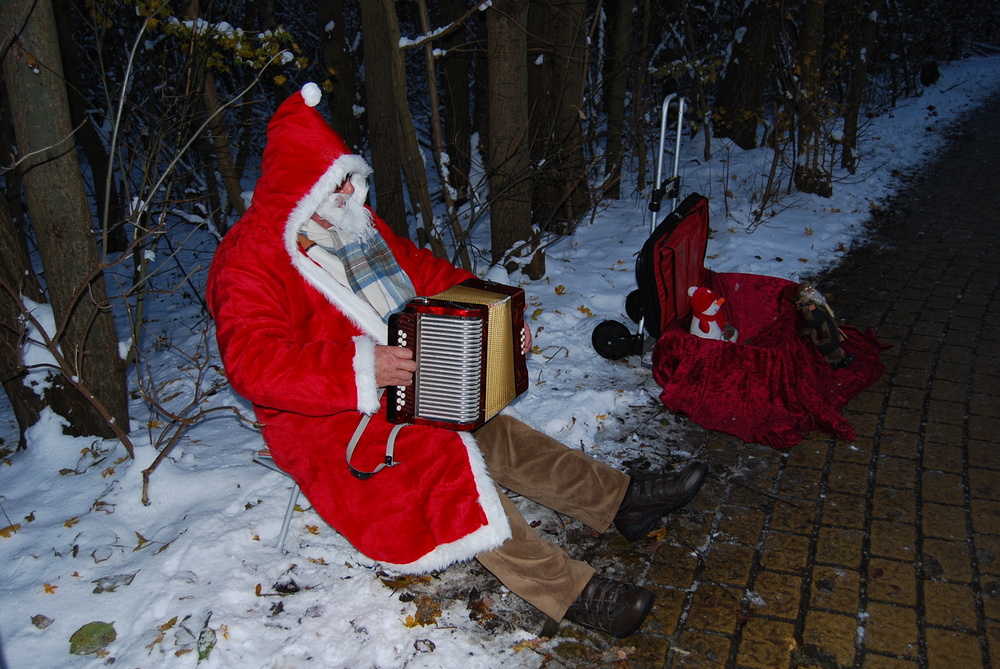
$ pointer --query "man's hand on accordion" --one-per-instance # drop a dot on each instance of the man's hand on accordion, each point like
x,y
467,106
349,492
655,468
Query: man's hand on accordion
x,y
394,366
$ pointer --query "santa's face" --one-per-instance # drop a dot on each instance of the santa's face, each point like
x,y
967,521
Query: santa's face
x,y
344,212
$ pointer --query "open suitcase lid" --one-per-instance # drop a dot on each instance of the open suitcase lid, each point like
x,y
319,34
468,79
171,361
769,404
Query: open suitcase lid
x,y
671,261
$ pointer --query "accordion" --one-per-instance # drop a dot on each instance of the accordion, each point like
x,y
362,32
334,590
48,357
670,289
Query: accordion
x,y
468,344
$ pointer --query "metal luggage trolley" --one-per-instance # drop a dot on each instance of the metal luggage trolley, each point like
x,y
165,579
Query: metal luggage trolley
x,y
612,339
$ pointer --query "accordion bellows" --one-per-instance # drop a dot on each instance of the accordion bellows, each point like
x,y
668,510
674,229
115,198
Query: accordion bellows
x,y
468,345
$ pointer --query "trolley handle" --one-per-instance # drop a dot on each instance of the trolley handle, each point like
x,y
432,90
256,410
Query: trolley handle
x,y
671,188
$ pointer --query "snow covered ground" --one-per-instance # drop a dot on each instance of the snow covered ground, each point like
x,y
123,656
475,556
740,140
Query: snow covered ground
x,y
194,578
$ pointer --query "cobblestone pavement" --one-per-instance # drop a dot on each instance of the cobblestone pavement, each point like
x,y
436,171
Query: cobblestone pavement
x,y
884,552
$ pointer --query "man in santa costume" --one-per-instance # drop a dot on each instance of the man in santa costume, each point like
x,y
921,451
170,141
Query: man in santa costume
x,y
301,289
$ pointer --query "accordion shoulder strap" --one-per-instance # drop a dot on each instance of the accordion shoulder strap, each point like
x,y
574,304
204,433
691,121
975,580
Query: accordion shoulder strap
x,y
390,448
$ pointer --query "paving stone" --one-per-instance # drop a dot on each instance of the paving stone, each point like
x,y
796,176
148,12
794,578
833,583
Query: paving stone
x,y
728,564
984,427
797,516
899,443
835,589
810,453
846,451
892,581
896,472
647,651
986,516
785,552
848,478
695,650
950,605
715,608
951,413
946,648
740,525
839,546
906,420
766,643
893,540
874,661
665,617
945,458
895,504
672,566
943,433
892,629
944,521
942,487
947,560
984,454
947,391
987,549
833,633
801,483
778,595
868,401
984,484
844,510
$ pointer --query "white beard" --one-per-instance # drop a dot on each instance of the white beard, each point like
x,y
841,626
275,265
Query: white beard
x,y
347,215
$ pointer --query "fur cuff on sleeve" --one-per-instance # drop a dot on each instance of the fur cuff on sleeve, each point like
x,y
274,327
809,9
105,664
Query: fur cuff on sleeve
x,y
364,375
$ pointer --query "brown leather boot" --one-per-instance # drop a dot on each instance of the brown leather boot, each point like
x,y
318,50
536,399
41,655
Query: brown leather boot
x,y
611,606
649,500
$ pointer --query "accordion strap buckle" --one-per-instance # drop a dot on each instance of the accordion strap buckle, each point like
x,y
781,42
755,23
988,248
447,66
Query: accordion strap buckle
x,y
390,448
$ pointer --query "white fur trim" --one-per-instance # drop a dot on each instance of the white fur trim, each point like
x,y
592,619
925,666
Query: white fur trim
x,y
354,307
311,94
486,538
364,375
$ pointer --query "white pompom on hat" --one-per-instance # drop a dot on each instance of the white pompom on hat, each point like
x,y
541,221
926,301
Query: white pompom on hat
x,y
311,94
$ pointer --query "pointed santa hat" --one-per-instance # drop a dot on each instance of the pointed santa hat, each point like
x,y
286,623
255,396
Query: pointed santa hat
x,y
305,156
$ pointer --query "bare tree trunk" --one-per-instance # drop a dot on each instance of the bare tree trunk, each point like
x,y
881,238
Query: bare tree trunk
x,y
461,254
700,95
509,160
342,84
412,158
57,204
863,40
616,86
559,188
640,98
457,99
107,199
383,126
739,102
218,134
16,275
222,146
811,172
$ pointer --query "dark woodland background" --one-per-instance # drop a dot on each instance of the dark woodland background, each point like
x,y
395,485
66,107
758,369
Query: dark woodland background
x,y
129,128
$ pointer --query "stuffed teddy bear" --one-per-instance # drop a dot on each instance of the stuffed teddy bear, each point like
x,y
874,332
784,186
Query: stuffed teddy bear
x,y
707,320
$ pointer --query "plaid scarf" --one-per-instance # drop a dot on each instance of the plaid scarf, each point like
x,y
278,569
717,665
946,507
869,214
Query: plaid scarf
x,y
368,265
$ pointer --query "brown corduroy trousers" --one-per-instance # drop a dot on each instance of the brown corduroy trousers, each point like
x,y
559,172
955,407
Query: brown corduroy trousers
x,y
532,464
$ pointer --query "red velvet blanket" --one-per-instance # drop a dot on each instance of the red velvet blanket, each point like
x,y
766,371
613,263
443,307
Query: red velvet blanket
x,y
771,386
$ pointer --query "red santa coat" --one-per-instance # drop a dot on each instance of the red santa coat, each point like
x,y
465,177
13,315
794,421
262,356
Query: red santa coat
x,y
300,346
